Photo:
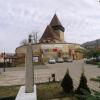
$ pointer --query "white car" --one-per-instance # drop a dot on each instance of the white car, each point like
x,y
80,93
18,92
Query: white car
x,y
69,60
52,61
60,60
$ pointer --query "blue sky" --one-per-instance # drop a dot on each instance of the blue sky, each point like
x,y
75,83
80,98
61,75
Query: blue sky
x,y
18,18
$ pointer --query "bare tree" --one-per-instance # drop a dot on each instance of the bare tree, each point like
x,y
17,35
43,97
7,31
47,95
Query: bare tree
x,y
33,37
24,42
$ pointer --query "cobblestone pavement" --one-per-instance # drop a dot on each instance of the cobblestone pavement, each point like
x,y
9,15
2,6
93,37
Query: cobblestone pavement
x,y
15,76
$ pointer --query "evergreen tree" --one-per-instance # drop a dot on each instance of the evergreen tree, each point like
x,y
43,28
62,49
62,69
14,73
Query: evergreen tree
x,y
67,83
82,85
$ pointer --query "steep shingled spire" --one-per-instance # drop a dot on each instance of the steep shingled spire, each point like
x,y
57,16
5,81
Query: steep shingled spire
x,y
53,32
55,21
48,34
56,24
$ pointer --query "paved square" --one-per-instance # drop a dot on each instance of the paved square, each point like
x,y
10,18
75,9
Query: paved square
x,y
16,76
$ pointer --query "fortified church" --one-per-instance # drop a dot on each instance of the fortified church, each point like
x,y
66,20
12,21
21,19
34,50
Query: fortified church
x,y
52,43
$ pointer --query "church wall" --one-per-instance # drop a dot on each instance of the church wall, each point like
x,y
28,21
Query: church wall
x,y
52,50
21,49
46,51
62,36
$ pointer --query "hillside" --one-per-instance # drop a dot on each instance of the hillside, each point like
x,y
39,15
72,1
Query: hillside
x,y
92,44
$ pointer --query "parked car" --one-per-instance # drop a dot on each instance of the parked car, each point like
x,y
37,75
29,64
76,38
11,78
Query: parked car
x,y
67,59
90,60
60,60
52,61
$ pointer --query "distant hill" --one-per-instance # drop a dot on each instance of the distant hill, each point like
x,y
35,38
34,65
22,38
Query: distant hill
x,y
92,44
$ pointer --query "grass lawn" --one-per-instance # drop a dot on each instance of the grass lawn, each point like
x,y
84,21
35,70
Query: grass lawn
x,y
49,91
6,91
44,91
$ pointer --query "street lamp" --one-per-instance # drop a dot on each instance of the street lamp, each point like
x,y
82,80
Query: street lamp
x,y
4,62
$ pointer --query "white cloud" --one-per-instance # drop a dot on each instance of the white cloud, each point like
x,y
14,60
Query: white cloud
x,y
81,19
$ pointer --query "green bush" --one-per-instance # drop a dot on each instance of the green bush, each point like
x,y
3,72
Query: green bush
x,y
67,84
95,79
87,96
82,85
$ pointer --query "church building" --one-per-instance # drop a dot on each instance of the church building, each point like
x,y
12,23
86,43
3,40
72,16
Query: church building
x,y
54,32
52,43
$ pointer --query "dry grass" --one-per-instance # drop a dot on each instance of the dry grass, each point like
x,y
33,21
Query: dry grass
x,y
50,91
45,91
6,91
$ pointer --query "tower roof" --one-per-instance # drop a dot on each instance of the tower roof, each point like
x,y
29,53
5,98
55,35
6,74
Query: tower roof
x,y
49,34
55,21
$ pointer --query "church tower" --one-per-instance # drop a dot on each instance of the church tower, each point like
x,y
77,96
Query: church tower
x,y
54,32
57,27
